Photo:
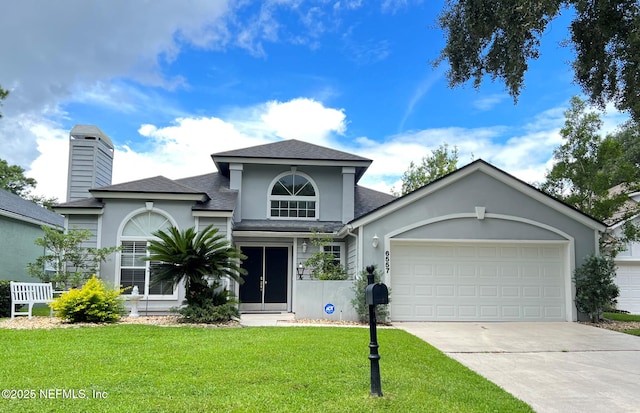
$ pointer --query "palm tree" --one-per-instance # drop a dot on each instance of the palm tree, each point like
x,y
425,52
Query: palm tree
x,y
194,257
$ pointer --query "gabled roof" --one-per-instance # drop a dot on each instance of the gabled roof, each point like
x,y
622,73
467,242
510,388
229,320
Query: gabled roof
x,y
367,200
13,206
221,198
499,174
290,152
158,186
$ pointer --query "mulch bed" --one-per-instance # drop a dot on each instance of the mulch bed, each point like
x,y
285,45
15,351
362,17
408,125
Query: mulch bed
x,y
23,323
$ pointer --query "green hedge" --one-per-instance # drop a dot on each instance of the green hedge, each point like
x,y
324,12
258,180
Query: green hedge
x,y
5,299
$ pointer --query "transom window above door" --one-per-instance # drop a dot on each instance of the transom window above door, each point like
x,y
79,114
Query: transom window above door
x,y
293,195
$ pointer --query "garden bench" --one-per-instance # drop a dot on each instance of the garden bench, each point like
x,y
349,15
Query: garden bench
x,y
29,294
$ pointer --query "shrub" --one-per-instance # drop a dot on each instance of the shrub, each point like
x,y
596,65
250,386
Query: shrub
x,y
5,298
209,313
596,289
359,302
93,303
214,306
323,263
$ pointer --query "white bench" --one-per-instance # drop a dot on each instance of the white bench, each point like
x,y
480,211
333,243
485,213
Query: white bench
x,y
29,294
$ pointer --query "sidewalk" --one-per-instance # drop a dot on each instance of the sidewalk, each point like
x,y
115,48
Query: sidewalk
x,y
265,319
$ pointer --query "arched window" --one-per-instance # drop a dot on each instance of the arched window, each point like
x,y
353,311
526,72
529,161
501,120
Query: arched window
x,y
134,270
293,196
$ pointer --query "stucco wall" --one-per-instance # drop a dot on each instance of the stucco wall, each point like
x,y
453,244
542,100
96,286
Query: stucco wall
x,y
461,197
17,248
312,297
257,178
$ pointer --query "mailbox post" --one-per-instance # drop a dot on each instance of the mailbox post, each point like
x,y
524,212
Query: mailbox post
x,y
375,293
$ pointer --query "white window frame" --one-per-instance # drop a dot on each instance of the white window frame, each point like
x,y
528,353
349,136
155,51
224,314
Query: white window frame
x,y
341,252
293,198
126,238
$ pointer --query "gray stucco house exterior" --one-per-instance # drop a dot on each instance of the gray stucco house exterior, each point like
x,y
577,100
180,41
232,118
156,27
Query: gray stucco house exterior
x,y
477,244
21,224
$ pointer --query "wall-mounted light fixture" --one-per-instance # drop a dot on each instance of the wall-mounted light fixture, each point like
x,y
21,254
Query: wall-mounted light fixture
x,y
375,240
300,271
304,246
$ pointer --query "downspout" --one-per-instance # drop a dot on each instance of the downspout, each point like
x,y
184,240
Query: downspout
x,y
349,228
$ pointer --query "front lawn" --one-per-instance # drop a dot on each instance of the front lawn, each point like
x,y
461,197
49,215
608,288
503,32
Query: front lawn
x,y
138,368
627,323
621,316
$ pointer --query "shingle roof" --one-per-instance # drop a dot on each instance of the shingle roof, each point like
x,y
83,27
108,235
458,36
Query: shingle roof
x,y
19,207
366,200
89,202
156,184
273,225
291,149
217,187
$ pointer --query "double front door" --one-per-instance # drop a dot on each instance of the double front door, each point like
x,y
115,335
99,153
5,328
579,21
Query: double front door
x,y
265,284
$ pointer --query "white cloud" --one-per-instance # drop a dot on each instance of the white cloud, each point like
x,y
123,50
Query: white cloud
x,y
489,102
303,119
184,148
97,53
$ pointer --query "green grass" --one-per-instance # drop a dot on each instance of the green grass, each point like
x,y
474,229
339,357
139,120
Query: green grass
x,y
622,316
625,317
186,369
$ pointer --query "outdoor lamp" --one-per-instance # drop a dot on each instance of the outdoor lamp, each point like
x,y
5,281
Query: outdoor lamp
x,y
304,247
375,241
300,271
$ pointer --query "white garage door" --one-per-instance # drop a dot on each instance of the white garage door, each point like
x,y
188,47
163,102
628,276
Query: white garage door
x,y
628,281
477,281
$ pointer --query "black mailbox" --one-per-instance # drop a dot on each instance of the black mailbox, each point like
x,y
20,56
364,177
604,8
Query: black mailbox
x,y
376,294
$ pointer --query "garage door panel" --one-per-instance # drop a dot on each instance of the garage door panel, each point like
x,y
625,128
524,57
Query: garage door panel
x,y
468,311
478,282
628,281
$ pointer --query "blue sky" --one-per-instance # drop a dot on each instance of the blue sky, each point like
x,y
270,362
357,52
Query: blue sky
x,y
172,82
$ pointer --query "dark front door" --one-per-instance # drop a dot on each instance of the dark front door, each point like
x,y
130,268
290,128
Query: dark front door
x,y
265,284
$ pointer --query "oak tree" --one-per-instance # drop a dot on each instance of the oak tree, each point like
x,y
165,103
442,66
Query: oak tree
x,y
497,38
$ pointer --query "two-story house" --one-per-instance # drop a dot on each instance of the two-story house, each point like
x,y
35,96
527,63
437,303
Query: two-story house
x,y
477,244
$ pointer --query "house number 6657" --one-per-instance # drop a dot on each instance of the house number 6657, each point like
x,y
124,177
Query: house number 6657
x,y
387,261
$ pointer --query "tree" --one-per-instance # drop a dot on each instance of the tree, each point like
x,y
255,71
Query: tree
x,y
596,290
587,167
13,179
3,96
439,163
66,262
629,137
323,263
195,258
498,38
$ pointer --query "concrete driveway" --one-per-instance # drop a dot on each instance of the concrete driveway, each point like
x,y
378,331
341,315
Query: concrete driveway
x,y
554,367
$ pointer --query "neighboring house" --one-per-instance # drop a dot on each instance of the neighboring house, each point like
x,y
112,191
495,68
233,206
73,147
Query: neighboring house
x,y
628,267
477,244
21,224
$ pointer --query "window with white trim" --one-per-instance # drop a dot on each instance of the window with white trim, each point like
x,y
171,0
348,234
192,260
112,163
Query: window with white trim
x,y
337,249
134,269
293,195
